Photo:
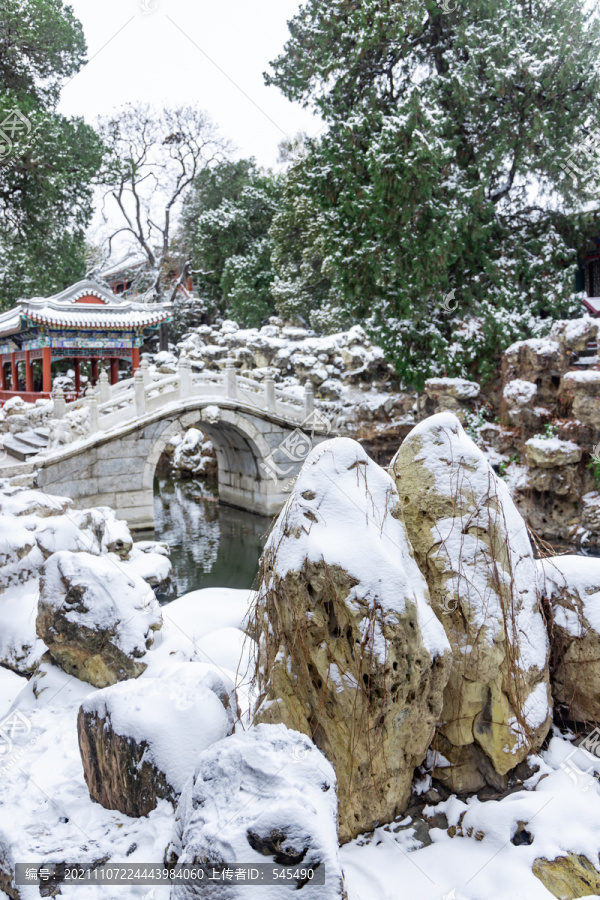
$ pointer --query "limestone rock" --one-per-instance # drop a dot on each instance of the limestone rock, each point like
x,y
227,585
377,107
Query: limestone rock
x,y
542,361
590,517
575,334
20,558
519,394
549,453
139,740
571,584
96,620
459,388
350,652
260,796
563,482
23,502
583,390
454,394
472,545
568,877
195,456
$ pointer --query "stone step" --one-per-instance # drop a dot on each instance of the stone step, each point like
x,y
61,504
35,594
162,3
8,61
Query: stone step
x,y
32,439
42,432
17,448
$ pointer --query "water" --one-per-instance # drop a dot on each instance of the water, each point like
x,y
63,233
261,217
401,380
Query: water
x,y
212,545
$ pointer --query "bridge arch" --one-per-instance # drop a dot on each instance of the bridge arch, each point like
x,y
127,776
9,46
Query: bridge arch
x,y
240,447
116,467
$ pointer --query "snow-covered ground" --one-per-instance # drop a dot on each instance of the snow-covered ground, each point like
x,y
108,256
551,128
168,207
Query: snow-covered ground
x,y
46,811
47,814
457,849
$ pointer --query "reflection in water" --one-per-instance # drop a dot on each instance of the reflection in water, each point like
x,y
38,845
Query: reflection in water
x,y
211,545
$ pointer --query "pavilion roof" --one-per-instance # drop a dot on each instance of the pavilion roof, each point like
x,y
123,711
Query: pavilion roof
x,y
86,304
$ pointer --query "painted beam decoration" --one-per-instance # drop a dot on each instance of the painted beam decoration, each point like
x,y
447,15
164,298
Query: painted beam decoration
x,y
85,321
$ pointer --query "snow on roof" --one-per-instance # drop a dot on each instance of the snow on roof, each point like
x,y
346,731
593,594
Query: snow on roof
x,y
593,304
86,304
130,261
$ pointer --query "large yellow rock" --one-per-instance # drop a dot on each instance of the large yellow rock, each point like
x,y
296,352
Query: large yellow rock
x,y
568,877
472,545
350,651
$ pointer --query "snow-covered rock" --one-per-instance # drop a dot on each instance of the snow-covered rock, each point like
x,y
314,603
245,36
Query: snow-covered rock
x,y
194,455
33,527
140,739
96,620
264,795
590,517
582,389
348,634
519,394
473,547
549,453
571,584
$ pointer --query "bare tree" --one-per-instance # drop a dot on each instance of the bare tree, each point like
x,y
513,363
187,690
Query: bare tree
x,y
153,157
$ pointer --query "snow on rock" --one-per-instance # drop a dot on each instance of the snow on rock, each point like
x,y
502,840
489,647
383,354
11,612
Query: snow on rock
x,y
33,527
260,796
24,502
459,388
20,647
582,390
150,563
208,626
346,626
139,740
571,584
97,620
519,393
473,546
11,685
194,455
590,516
548,453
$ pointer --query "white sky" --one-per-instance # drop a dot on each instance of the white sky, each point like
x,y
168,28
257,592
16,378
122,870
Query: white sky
x,y
160,56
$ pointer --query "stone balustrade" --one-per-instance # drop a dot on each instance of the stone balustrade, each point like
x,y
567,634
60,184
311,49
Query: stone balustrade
x,y
133,398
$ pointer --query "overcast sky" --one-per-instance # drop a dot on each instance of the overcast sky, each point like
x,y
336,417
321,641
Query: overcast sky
x,y
181,51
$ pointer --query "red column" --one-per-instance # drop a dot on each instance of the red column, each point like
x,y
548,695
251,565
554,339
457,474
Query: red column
x,y
14,374
2,375
94,371
135,359
77,367
114,370
28,372
47,369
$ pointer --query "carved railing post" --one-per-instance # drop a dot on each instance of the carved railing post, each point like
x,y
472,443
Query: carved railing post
x,y
230,380
145,370
270,393
60,406
139,391
92,403
104,386
185,377
309,399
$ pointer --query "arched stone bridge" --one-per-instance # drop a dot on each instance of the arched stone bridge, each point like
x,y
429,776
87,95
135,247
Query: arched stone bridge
x,y
261,435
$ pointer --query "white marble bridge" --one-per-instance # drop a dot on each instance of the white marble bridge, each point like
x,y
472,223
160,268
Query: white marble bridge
x,y
261,435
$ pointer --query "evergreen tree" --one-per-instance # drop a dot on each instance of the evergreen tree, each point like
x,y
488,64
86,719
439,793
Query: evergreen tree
x,y
225,223
439,179
47,162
